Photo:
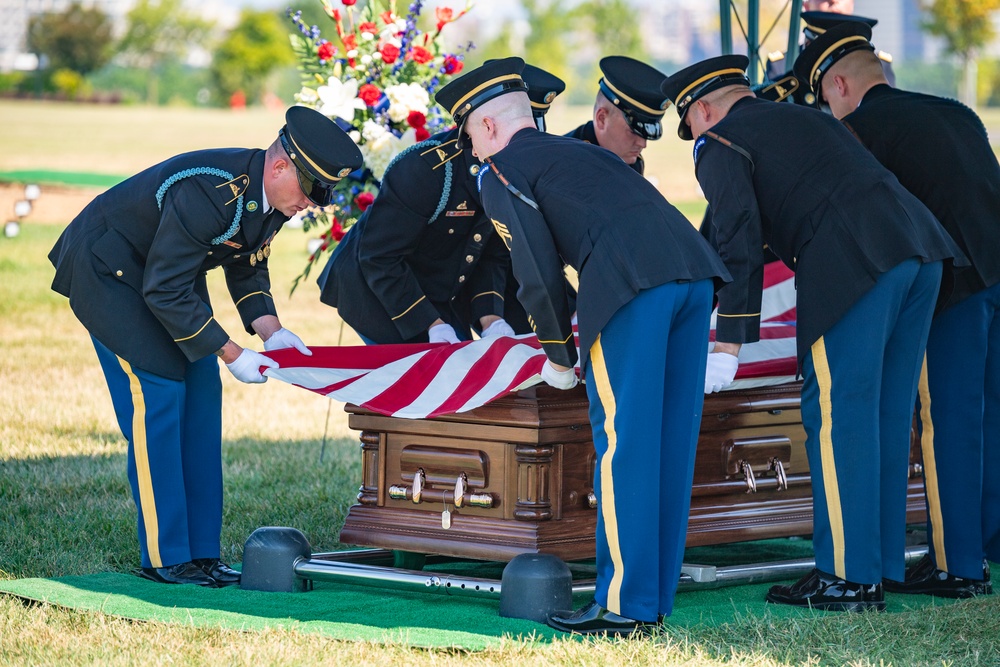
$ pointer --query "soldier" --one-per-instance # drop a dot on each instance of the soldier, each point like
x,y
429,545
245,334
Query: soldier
x,y
814,24
133,265
867,257
628,110
940,151
423,264
549,198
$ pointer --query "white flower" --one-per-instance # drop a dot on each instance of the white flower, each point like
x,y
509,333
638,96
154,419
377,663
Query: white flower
x,y
355,136
307,96
381,146
367,36
353,53
339,98
404,98
366,59
400,24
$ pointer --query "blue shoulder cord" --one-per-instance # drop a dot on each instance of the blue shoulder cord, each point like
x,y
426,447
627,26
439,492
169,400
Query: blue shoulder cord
x,y
448,169
204,171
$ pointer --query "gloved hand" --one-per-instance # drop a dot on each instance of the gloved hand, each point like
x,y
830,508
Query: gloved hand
x,y
283,338
498,328
720,371
246,368
558,379
442,333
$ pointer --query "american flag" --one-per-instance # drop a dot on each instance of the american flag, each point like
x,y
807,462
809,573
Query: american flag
x,y
432,379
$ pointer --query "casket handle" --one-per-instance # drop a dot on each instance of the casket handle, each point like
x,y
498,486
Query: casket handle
x,y
748,476
779,472
461,485
418,485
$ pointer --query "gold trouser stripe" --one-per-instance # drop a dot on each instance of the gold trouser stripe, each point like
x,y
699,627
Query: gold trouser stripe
x,y
181,340
821,365
607,397
741,315
487,294
247,296
930,469
410,308
146,499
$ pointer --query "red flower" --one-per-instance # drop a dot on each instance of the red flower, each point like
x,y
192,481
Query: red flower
x,y
337,231
364,200
416,119
421,133
452,65
349,3
444,16
326,51
386,17
369,27
389,53
350,42
369,94
421,55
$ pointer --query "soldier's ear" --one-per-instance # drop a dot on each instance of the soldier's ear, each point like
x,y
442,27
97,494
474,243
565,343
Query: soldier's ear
x,y
601,117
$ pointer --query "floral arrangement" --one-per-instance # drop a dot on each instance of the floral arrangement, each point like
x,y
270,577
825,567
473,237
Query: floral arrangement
x,y
376,78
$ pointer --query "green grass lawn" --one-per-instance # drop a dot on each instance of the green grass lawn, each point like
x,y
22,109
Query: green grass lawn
x,y
65,506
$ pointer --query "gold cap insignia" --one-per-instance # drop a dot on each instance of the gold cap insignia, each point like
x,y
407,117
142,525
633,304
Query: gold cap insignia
x,y
344,172
549,97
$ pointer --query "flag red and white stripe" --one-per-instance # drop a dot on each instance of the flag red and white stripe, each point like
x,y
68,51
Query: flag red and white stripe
x,y
427,380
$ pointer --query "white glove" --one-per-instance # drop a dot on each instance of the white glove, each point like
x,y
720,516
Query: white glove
x,y
442,333
283,338
498,328
720,372
558,379
246,368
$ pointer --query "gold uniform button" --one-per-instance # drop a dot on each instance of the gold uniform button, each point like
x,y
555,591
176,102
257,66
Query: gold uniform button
x,y
477,238
461,279
209,252
451,231
468,259
118,273
236,256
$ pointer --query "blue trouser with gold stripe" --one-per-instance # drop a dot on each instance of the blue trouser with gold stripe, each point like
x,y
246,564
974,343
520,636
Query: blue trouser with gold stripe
x,y
174,433
859,385
959,404
646,382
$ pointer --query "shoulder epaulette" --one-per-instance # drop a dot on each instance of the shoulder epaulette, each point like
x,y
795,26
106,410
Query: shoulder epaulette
x,y
237,185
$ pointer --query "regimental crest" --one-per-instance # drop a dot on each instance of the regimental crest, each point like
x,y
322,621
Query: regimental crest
x,y
463,206
441,154
502,232
236,186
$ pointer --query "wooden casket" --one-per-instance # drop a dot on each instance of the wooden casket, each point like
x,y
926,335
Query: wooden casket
x,y
516,476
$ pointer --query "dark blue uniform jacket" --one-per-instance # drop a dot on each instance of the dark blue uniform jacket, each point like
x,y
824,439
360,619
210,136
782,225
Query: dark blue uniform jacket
x,y
133,263
596,215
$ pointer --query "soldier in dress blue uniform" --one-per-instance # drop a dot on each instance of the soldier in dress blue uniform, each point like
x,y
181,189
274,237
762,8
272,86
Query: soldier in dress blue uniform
x,y
133,265
423,263
868,262
940,151
558,201
814,24
628,110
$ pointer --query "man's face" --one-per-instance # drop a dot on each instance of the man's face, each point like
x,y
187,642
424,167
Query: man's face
x,y
285,193
613,132
835,6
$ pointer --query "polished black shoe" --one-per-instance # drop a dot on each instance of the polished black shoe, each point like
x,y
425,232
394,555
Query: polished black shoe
x,y
819,590
219,571
593,619
924,578
183,573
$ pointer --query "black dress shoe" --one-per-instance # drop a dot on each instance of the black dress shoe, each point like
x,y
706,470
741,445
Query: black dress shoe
x,y
820,590
182,573
925,578
219,571
593,619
